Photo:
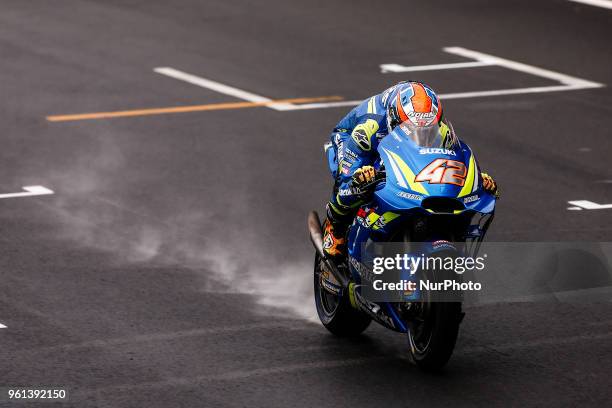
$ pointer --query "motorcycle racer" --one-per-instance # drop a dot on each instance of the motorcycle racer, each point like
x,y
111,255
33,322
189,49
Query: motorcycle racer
x,y
355,140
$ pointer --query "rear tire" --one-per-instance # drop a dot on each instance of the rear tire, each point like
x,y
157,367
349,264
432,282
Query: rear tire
x,y
336,312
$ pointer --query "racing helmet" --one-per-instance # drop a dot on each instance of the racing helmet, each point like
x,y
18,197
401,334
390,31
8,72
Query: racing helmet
x,y
413,102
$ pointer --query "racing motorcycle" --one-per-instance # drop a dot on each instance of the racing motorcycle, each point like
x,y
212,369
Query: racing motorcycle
x,y
431,200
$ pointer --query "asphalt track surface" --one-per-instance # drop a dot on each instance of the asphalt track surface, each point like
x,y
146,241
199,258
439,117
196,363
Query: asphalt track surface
x,y
172,267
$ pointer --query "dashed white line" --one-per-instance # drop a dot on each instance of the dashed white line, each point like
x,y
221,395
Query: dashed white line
x,y
597,3
2,326
29,192
220,88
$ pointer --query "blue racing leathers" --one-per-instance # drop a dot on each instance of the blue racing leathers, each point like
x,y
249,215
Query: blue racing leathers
x,y
354,141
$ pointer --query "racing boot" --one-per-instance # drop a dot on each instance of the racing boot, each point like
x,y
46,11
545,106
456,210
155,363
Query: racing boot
x,y
334,241
334,245
334,232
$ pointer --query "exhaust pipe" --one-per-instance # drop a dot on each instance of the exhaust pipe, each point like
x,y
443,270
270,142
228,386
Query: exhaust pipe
x,y
316,236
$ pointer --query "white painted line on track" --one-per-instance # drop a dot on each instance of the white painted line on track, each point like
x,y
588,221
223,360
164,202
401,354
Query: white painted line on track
x,y
480,59
568,83
29,192
386,68
2,326
322,105
517,91
597,3
457,95
518,66
221,88
589,205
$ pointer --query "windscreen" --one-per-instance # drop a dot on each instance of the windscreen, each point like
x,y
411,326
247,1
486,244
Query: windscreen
x,y
424,136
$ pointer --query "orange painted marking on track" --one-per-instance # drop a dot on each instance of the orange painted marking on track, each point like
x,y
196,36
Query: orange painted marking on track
x,y
182,109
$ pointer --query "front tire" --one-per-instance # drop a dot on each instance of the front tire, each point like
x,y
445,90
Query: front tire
x,y
336,312
433,331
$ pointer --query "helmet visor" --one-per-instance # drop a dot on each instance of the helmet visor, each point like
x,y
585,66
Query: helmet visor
x,y
423,136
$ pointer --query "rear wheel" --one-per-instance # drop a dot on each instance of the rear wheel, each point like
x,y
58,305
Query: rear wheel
x,y
336,312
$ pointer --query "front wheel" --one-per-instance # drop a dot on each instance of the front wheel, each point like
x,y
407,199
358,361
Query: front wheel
x,y
336,312
433,331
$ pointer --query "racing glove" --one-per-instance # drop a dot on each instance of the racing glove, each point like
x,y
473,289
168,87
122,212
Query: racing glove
x,y
363,176
489,184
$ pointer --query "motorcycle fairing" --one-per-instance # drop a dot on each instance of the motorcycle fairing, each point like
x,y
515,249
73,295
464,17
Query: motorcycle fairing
x,y
401,197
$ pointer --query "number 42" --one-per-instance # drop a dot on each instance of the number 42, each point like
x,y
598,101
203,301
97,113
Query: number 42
x,y
443,171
